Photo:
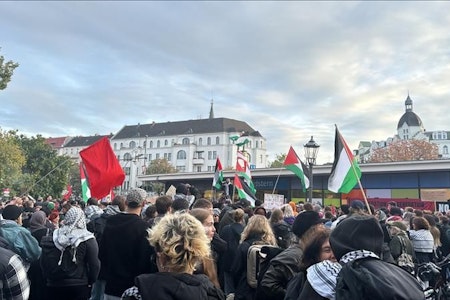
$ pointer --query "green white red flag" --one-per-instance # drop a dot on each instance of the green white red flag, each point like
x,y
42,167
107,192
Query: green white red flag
x,y
244,190
85,191
218,175
345,172
293,163
243,170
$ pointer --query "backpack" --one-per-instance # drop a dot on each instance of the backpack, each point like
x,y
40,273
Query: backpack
x,y
405,260
258,261
97,226
373,279
58,265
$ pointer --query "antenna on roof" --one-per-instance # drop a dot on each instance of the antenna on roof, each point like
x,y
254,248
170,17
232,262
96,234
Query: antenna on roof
x,y
211,110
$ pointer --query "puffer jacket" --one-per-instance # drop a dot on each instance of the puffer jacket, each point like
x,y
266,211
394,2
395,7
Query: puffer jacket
x,y
21,241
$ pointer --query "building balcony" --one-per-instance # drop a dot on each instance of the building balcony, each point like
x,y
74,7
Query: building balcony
x,y
198,161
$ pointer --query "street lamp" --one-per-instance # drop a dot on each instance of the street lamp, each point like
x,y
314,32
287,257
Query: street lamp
x,y
311,150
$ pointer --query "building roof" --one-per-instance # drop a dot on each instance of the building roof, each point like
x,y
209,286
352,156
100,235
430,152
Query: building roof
x,y
82,141
57,142
409,117
200,126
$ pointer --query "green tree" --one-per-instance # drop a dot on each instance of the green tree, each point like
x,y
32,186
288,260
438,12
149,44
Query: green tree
x,y
48,171
279,160
12,159
6,71
159,166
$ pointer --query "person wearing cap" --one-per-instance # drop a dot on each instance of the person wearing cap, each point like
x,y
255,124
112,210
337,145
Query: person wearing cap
x,y
124,250
285,265
19,238
357,244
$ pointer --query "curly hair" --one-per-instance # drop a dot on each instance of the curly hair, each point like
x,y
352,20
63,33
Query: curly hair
x,y
183,241
311,245
259,226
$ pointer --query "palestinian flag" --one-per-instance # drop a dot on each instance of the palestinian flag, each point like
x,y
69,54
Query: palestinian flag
x,y
345,172
218,175
243,170
294,164
244,190
85,191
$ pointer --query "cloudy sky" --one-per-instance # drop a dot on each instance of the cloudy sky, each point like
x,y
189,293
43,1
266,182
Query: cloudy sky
x,y
289,69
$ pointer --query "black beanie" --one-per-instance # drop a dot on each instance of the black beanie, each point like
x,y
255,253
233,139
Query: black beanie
x,y
11,212
358,232
305,221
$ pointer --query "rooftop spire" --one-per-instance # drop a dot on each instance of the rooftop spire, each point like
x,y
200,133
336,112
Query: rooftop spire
x,y
211,110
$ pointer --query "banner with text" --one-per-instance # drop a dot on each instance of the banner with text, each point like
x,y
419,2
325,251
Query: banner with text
x,y
272,201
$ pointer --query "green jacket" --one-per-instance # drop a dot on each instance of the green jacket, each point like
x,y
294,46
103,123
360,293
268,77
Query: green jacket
x,y
21,241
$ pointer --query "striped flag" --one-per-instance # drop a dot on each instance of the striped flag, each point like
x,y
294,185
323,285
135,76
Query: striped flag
x,y
218,175
293,163
345,172
243,170
85,191
244,190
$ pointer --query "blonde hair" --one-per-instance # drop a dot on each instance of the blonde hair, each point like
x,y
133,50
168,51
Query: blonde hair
x,y
287,211
183,241
259,226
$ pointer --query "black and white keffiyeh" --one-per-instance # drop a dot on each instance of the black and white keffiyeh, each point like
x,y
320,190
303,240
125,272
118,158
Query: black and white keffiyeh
x,y
322,277
357,254
73,231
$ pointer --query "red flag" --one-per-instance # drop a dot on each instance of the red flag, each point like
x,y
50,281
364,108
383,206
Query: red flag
x,y
103,170
67,192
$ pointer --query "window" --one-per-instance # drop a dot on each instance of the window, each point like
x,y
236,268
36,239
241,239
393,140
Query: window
x,y
165,155
149,157
115,146
158,144
127,157
118,157
261,159
214,154
151,144
169,156
127,170
157,155
145,144
121,145
208,141
166,142
445,150
132,144
181,154
217,140
199,168
261,144
209,154
181,168
257,144
200,141
185,141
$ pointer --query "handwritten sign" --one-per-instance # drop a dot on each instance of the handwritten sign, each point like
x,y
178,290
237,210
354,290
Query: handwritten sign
x,y
272,201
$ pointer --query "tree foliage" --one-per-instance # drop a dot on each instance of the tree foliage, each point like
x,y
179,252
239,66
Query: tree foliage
x,y
12,159
279,160
160,166
44,172
6,71
404,150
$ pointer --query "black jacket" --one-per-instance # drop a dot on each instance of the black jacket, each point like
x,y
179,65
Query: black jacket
x,y
125,252
172,286
231,234
373,279
281,270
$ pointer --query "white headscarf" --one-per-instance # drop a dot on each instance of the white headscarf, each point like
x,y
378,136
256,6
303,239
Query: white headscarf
x,y
73,231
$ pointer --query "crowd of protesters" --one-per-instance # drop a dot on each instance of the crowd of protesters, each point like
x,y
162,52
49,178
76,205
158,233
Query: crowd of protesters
x,y
188,247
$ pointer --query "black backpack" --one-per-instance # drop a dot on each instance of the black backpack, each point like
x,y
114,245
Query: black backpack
x,y
283,234
270,252
373,279
97,226
57,265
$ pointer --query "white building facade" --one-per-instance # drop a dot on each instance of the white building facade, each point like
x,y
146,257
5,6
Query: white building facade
x,y
409,127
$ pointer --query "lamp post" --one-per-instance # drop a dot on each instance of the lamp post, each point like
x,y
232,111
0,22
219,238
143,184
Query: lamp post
x,y
311,150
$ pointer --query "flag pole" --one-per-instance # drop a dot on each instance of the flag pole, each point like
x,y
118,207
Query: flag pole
x,y
356,175
276,182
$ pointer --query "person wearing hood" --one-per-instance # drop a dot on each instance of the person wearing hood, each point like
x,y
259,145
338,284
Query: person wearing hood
x,y
124,250
357,244
77,244
38,230
181,243
231,233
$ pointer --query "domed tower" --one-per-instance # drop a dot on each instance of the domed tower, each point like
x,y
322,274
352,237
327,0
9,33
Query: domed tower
x,y
410,125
